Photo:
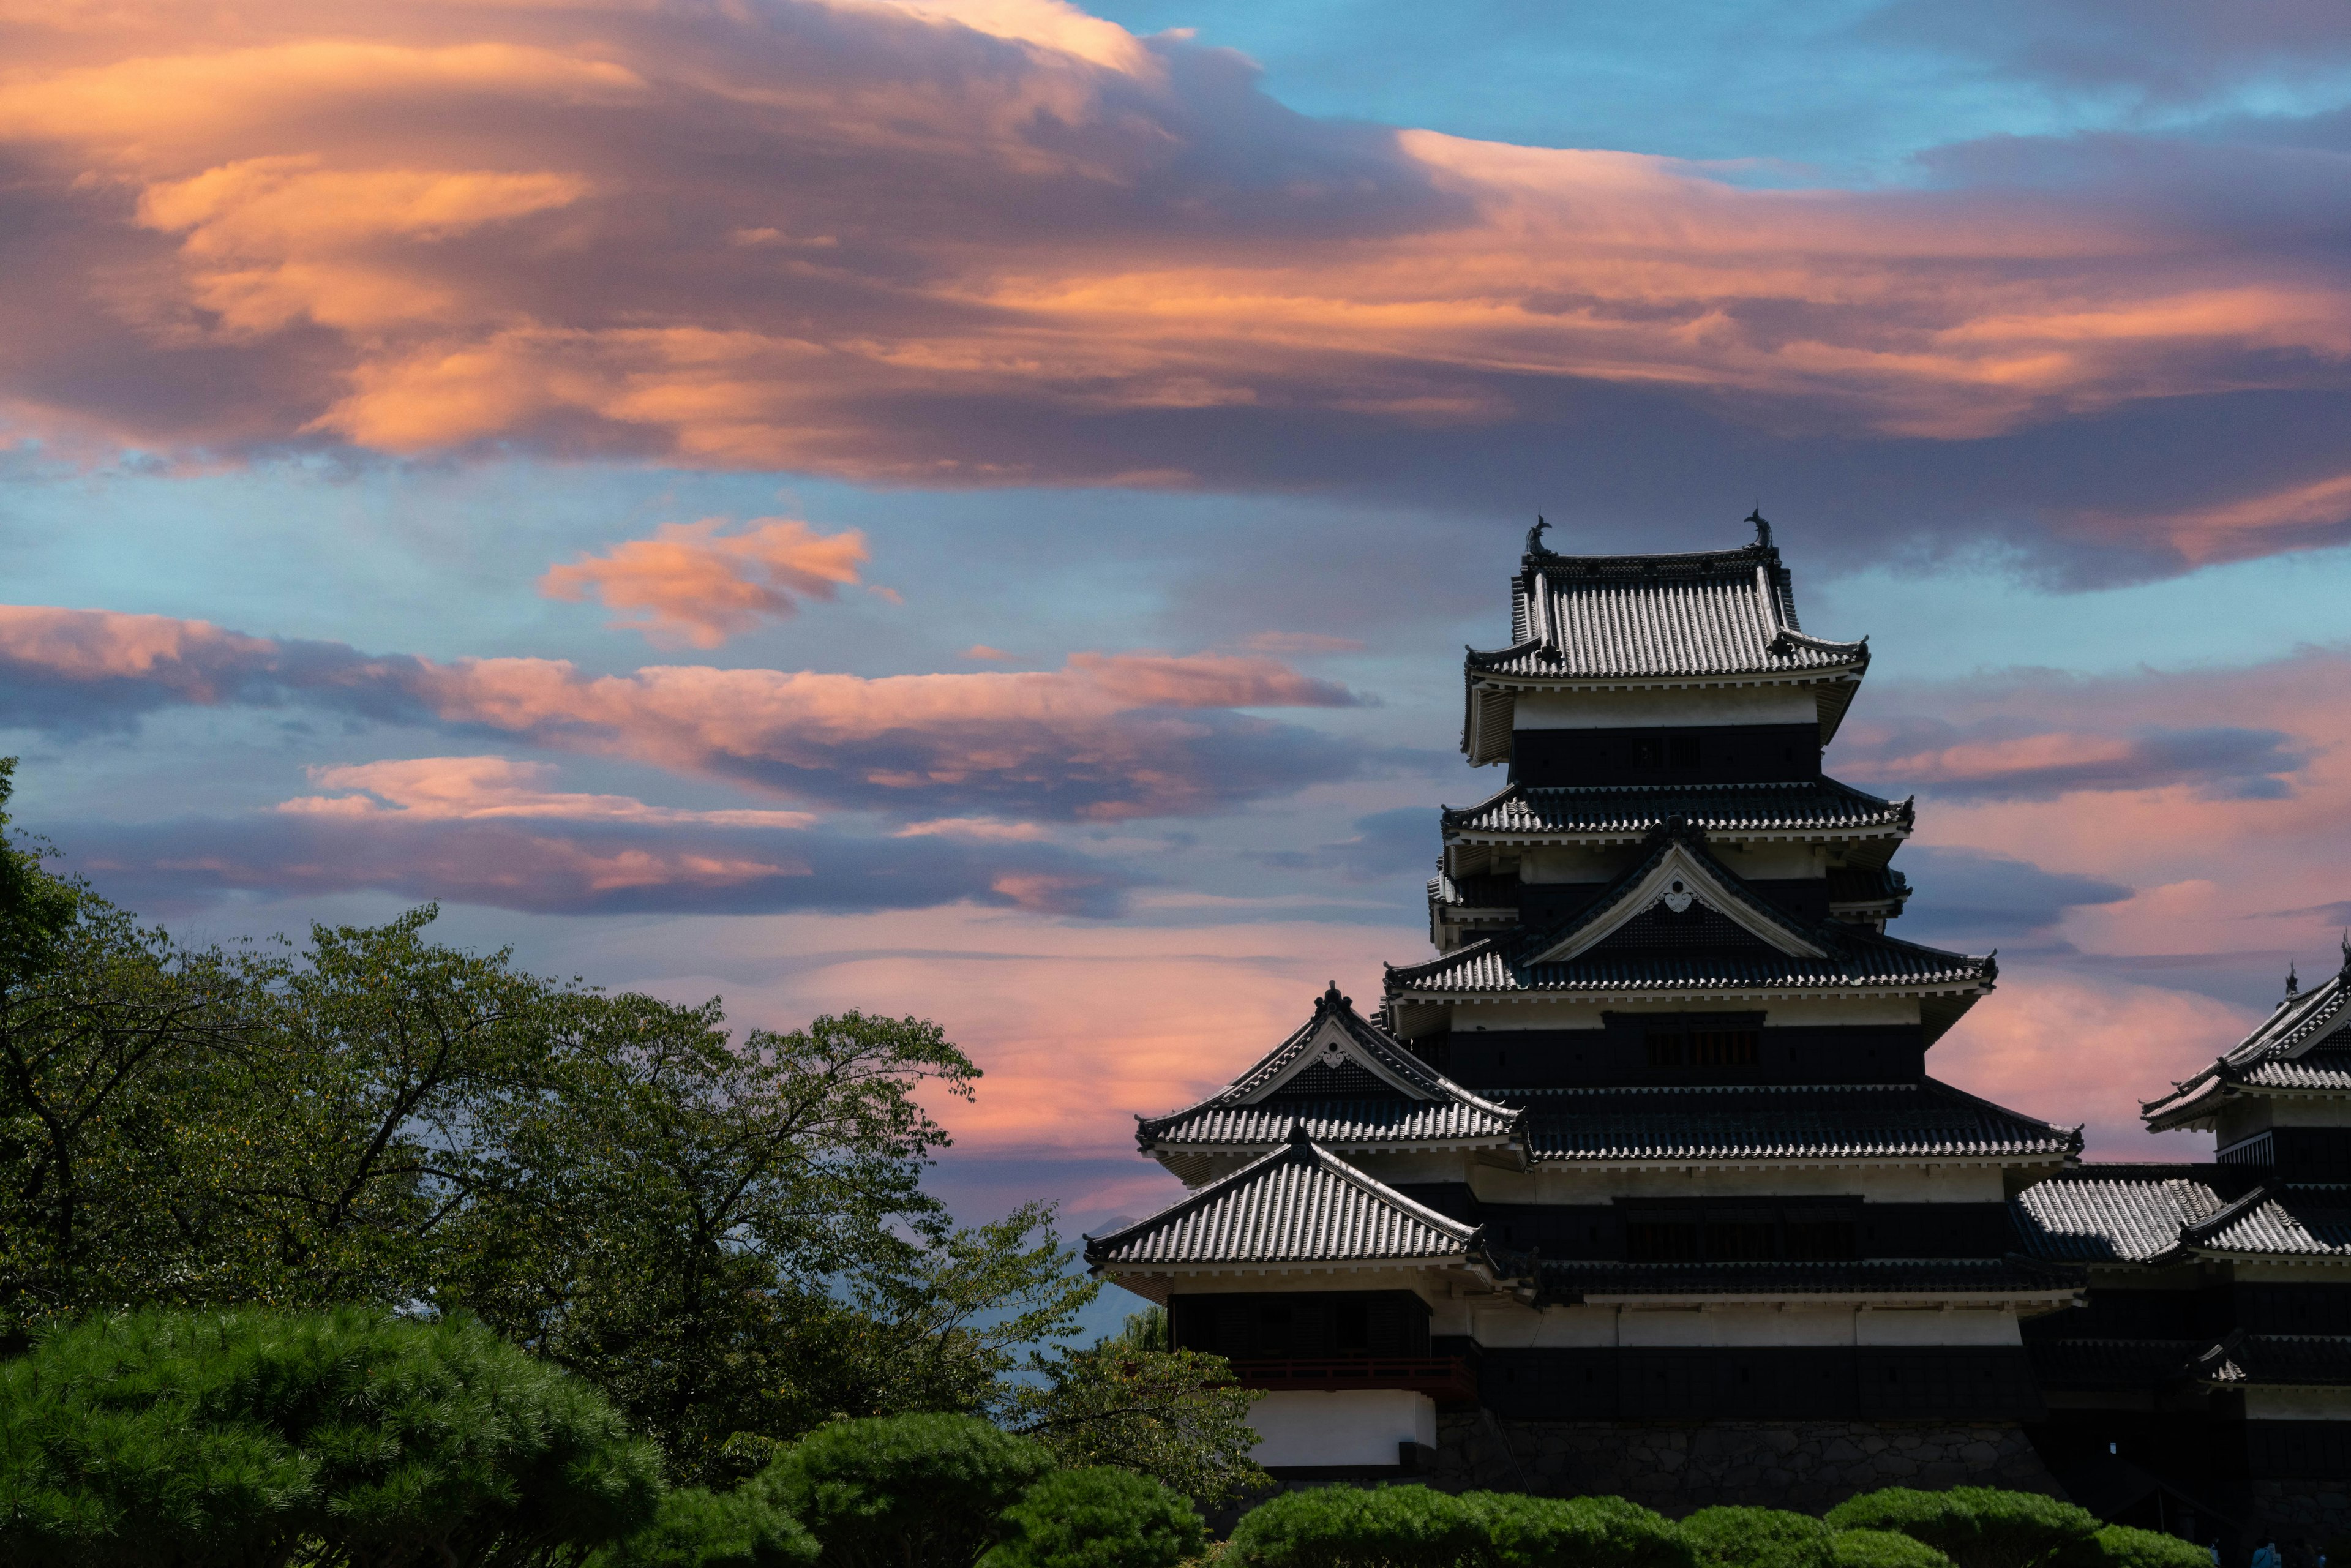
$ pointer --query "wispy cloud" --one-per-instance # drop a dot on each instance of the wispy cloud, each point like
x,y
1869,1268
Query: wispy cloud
x,y
1107,735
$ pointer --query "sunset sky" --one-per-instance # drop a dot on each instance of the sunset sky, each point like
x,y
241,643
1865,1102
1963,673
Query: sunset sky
x,y
973,507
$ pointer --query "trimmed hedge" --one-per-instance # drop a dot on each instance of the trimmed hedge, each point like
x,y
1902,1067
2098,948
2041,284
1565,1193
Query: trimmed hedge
x,y
1757,1538
1348,1527
893,1489
1525,1531
2124,1547
1979,1527
1884,1549
1098,1518
700,1528
193,1438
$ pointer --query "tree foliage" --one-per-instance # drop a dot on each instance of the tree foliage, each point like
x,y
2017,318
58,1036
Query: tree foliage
x,y
347,1437
1349,1527
1174,1416
725,1233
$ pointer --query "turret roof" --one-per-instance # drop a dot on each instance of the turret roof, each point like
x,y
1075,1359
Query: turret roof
x,y
1343,1079
1300,1204
2303,1046
1711,615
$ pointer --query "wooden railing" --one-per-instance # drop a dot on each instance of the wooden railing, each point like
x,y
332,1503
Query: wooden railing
x,y
1447,1379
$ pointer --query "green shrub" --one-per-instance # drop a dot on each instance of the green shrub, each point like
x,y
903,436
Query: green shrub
x,y
198,1438
1577,1532
1757,1538
1979,1527
2123,1547
1098,1518
1884,1549
1347,1526
701,1528
898,1490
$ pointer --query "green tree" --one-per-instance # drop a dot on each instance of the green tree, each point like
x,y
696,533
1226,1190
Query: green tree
x,y
1884,1549
352,1437
1577,1532
1174,1416
105,1035
725,1233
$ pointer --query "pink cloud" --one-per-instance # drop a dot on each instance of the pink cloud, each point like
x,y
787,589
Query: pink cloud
x,y
1107,735
988,655
690,585
2076,1048
2217,795
470,788
940,243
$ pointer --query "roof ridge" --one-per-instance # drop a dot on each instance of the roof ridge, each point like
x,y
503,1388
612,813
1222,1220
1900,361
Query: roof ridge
x,y
1663,840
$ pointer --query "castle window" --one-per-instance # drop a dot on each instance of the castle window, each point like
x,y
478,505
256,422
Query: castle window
x,y
1685,751
1350,1329
1662,1240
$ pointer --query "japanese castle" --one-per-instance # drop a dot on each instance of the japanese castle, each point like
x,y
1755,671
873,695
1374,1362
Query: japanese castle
x,y
1641,1185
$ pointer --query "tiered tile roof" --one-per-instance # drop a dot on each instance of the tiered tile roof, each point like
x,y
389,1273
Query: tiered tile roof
x,y
2303,1047
1777,1122
2163,1214
1618,813
1300,1204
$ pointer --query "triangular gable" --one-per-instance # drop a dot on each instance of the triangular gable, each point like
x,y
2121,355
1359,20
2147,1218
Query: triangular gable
x,y
1677,875
1334,1038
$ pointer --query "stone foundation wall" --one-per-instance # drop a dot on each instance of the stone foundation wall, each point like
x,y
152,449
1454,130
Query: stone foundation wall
x,y
1677,1467
2316,1512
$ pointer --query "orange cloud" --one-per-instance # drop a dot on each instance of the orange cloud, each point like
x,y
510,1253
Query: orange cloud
x,y
943,241
691,585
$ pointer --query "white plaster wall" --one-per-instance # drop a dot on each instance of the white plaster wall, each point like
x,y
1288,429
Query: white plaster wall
x,y
1954,1327
1660,710
1567,862
1518,1327
1807,1012
2297,1403
1877,1184
1469,1017
1768,859
1349,1426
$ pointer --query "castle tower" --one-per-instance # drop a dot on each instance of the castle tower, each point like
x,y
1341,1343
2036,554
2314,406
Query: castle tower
x,y
1640,1184
2207,1385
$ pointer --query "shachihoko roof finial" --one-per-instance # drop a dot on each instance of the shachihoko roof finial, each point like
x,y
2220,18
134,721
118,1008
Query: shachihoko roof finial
x,y
2293,983
1534,536
1762,528
2347,951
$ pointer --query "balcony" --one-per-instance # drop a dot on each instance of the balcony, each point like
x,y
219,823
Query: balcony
x,y
1447,1379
